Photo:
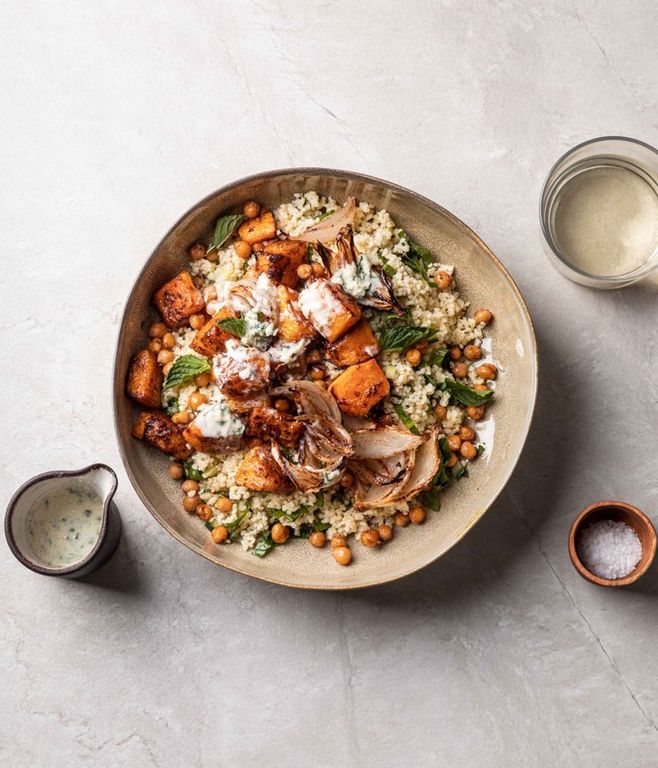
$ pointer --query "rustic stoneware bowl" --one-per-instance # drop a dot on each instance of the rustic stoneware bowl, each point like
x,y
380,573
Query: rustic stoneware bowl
x,y
482,280
619,511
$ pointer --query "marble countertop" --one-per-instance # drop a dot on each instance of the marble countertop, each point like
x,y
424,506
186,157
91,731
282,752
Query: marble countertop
x,y
116,117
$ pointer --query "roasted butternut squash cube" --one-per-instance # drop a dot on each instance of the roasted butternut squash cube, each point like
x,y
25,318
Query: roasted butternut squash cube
x,y
293,326
211,338
263,227
145,379
359,388
279,261
247,403
271,424
329,309
178,299
157,429
259,472
200,441
357,346
242,371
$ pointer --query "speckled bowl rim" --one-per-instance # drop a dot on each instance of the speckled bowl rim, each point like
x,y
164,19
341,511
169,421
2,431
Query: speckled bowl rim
x,y
57,474
360,177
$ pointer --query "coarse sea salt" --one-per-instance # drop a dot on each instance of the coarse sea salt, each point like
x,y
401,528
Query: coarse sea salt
x,y
609,549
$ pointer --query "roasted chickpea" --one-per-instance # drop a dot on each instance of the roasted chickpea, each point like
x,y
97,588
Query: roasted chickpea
x,y
443,280
318,539
212,256
196,400
202,379
190,503
460,370
251,209
196,251
219,534
304,271
242,249
166,368
486,371
423,346
475,412
472,352
338,541
165,356
441,412
481,388
281,404
452,460
342,555
279,533
182,417
466,433
468,450
157,330
385,532
347,479
175,470
204,512
155,345
483,316
317,372
223,505
197,321
417,515
455,353
314,356
189,485
413,357
168,341
400,519
370,538
454,442
317,268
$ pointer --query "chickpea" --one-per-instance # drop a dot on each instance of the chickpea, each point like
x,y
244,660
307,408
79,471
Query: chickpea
x,y
385,532
454,443
342,555
190,503
251,209
196,251
483,316
155,345
157,330
166,368
281,404
204,512
219,534
196,400
347,479
417,515
481,388
318,539
370,538
487,371
202,379
317,372
168,341
314,356
338,541
182,417
223,505
475,412
472,352
455,353
189,485
441,412
197,321
466,433
213,256
400,519
165,356
413,357
468,450
304,271
452,461
279,533
423,346
175,470
443,280
317,268
460,370
242,249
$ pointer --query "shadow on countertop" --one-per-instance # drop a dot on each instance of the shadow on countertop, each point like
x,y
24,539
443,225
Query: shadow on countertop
x,y
121,572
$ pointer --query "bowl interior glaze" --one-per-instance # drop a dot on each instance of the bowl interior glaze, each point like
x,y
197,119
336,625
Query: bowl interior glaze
x,y
481,279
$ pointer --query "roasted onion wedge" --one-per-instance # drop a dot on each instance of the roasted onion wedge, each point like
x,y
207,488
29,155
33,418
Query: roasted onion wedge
x,y
380,294
327,230
305,477
383,442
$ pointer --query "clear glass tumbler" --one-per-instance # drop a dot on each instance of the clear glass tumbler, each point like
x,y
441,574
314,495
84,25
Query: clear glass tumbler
x,y
599,212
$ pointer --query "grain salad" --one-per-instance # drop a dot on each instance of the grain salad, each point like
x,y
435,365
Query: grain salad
x,y
315,374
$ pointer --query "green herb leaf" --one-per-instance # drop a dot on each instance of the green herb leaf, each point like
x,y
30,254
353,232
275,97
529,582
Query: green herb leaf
x,y
263,546
224,228
235,325
408,423
459,470
234,527
480,449
322,526
211,525
418,258
437,357
465,395
431,499
398,338
191,473
172,406
319,500
184,369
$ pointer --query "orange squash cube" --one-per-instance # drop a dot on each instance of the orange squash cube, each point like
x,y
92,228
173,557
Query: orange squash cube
x,y
211,338
330,310
359,388
255,230
178,299
145,379
357,346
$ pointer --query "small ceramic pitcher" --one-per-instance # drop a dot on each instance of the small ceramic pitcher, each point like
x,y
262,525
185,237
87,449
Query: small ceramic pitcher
x,y
98,478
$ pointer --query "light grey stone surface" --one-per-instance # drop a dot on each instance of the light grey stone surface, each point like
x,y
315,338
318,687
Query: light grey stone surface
x,y
116,117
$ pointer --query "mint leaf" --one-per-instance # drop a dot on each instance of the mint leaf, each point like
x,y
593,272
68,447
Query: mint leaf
x,y
399,337
465,395
184,369
437,357
418,258
263,546
431,499
408,423
235,325
224,228
191,473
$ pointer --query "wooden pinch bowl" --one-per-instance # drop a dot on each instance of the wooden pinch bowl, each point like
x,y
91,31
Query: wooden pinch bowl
x,y
618,511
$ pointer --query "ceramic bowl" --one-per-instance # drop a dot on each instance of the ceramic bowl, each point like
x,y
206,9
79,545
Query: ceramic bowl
x,y
482,280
